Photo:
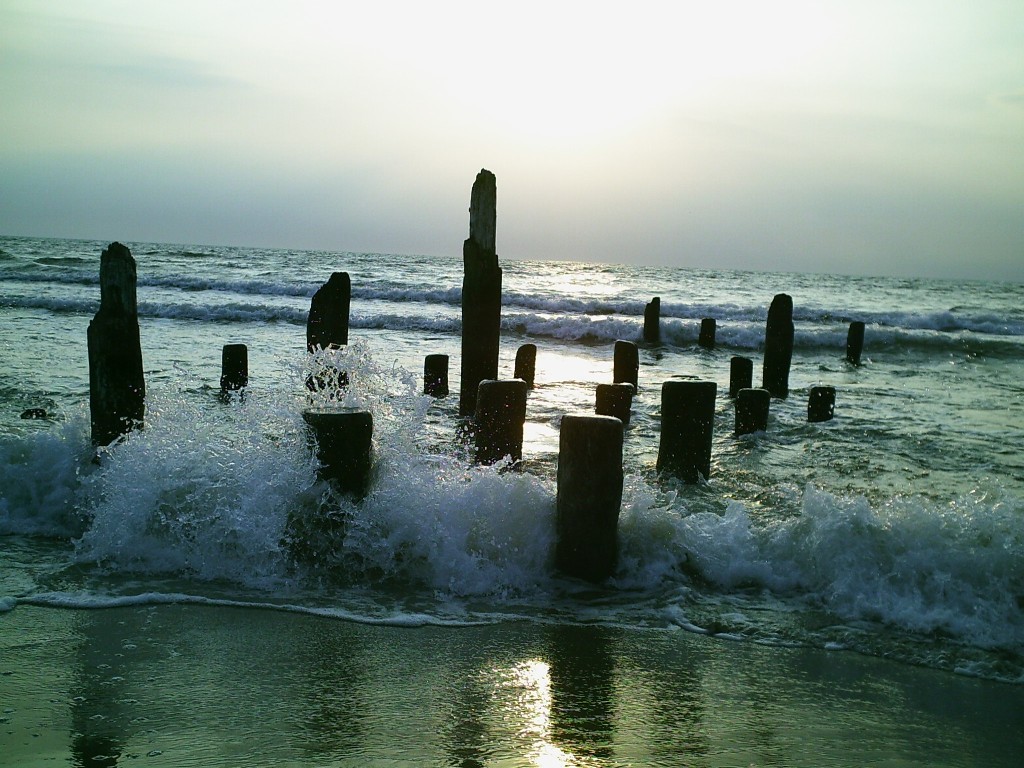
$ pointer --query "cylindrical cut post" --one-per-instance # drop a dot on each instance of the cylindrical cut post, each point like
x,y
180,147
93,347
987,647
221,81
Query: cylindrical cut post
x,y
652,321
778,346
687,426
589,496
481,293
855,342
752,410
117,387
343,440
234,367
708,327
615,400
435,375
526,363
500,415
741,374
821,405
626,365
327,324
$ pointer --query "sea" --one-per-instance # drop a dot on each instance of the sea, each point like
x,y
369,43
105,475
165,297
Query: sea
x,y
845,592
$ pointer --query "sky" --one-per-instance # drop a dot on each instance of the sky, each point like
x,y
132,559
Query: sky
x,y
876,137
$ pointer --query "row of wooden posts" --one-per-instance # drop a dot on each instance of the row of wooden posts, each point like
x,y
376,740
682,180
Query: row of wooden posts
x,y
589,475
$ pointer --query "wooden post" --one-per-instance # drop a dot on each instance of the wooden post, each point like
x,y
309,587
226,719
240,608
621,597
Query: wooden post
x,y
343,441
481,293
626,365
526,364
821,405
741,374
589,496
778,346
707,333
652,321
687,425
855,342
752,410
435,375
234,368
615,400
117,387
327,324
499,419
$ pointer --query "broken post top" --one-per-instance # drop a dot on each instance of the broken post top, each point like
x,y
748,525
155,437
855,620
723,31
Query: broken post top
x,y
483,204
117,282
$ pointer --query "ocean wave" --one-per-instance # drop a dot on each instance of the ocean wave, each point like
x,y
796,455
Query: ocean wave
x,y
945,321
63,261
737,335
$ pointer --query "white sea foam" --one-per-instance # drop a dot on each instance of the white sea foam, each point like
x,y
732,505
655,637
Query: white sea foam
x,y
955,569
39,477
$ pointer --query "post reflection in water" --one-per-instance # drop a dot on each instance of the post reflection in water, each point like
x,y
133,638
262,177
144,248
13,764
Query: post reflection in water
x,y
99,697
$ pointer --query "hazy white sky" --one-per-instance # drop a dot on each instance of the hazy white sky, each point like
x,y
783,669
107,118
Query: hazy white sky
x,y
877,137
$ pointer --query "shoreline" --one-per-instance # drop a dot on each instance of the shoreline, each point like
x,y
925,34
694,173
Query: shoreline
x,y
173,684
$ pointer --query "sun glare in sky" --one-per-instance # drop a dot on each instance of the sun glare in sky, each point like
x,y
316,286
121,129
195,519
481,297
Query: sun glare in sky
x,y
869,137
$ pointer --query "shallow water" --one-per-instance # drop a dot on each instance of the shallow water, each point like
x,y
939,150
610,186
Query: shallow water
x,y
198,685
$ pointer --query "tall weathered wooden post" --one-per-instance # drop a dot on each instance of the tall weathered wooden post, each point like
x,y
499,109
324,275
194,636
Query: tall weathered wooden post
x,y
778,346
499,419
234,368
854,342
526,364
687,427
435,375
741,374
706,338
752,410
615,400
652,321
481,293
327,328
821,404
343,440
626,363
327,324
589,496
117,387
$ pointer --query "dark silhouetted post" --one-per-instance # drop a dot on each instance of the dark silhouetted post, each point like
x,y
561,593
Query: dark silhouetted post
x,y
626,365
500,415
652,321
234,368
481,293
855,342
741,374
117,387
821,405
526,363
615,400
707,333
687,426
752,410
343,440
589,496
435,375
778,346
327,325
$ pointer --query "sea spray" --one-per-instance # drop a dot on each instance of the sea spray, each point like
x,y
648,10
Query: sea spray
x,y
956,570
431,519
204,490
39,478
